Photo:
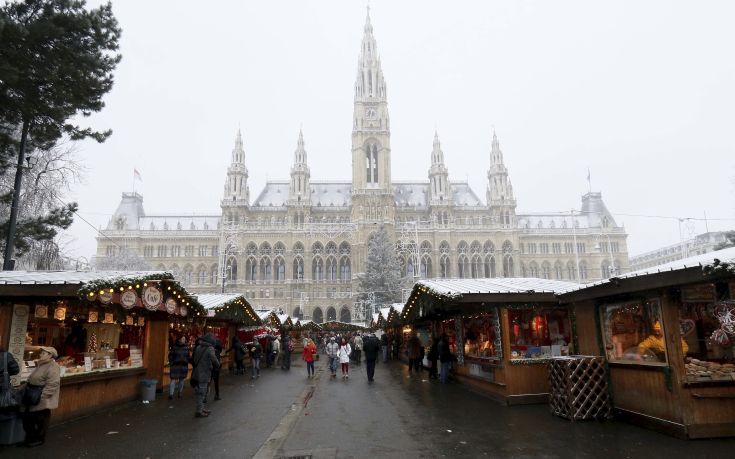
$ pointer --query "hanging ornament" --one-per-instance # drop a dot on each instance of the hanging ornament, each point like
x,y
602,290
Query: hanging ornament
x,y
92,346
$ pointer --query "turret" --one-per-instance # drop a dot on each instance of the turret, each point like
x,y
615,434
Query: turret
x,y
439,191
500,199
299,191
236,190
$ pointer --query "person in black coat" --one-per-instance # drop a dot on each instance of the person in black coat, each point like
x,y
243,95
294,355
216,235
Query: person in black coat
x,y
286,347
178,361
371,347
13,369
445,357
433,357
215,371
239,350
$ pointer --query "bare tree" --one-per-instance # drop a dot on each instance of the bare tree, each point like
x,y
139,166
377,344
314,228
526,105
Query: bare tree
x,y
124,260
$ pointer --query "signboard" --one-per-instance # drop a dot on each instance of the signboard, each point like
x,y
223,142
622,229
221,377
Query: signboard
x,y
109,318
152,298
704,293
105,297
60,313
171,305
17,342
93,317
41,311
128,299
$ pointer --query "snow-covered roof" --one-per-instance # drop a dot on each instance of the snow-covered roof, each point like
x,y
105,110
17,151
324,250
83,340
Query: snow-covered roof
x,y
416,194
215,300
69,277
551,221
179,222
384,312
455,288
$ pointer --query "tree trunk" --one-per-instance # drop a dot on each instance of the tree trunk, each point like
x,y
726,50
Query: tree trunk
x,y
8,262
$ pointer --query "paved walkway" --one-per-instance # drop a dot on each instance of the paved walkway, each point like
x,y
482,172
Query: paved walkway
x,y
284,414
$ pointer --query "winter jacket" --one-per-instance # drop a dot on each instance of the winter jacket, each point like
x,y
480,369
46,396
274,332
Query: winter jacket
x,y
276,346
178,359
413,348
48,375
332,349
239,349
13,368
309,351
204,360
383,339
256,350
358,343
434,351
344,353
444,354
371,348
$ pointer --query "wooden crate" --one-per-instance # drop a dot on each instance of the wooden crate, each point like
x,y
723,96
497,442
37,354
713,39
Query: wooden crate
x,y
578,388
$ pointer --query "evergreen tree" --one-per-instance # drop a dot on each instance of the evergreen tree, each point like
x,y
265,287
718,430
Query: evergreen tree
x,y
56,62
382,270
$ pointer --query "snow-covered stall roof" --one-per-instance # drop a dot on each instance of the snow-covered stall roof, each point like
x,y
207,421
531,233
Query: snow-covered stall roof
x,y
456,288
70,277
229,306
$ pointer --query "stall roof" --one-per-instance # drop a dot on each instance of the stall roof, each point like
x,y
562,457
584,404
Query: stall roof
x,y
68,277
456,288
215,300
224,306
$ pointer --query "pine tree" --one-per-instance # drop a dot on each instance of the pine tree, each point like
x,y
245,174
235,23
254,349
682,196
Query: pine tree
x,y
56,62
382,270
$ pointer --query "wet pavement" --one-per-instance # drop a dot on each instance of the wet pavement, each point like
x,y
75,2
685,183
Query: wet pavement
x,y
285,414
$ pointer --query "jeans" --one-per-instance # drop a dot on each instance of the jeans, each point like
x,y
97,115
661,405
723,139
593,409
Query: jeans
x,y
201,393
35,424
370,369
333,365
444,372
256,367
310,368
385,353
176,385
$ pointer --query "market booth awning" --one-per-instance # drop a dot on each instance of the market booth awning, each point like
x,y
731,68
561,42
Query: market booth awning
x,y
393,318
336,325
109,329
230,307
308,325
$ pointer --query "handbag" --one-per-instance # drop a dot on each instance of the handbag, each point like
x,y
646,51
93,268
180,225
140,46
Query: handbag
x,y
32,394
9,396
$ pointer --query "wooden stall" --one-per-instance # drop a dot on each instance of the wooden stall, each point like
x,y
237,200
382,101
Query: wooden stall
x,y
501,332
110,329
667,335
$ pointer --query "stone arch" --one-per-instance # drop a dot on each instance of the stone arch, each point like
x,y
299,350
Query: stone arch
x,y
331,268
251,269
317,315
279,268
425,268
201,274
488,247
298,268
331,248
297,314
475,247
265,248
425,247
251,248
331,313
490,269
298,248
463,247
317,248
345,315
444,247
546,270
317,268
345,248
279,248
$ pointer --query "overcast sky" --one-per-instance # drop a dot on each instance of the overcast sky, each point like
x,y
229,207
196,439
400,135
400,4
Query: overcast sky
x,y
641,93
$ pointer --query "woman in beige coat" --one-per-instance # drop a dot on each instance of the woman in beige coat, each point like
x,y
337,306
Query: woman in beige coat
x,y
36,418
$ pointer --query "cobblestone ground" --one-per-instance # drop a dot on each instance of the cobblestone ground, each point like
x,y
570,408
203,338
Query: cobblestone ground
x,y
285,414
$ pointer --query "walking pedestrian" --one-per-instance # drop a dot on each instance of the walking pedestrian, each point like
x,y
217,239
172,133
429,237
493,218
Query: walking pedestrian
x,y
308,356
358,349
47,376
204,361
384,346
215,371
344,358
433,358
413,349
276,351
332,351
269,351
372,349
239,356
287,349
256,353
445,357
178,360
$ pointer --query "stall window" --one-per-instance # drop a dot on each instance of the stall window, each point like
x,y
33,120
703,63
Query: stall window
x,y
448,327
633,332
482,336
708,329
539,333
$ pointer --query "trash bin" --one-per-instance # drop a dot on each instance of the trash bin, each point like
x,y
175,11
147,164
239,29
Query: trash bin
x,y
148,389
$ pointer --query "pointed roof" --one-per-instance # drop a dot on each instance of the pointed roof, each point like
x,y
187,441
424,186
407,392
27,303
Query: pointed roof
x,y
238,152
300,153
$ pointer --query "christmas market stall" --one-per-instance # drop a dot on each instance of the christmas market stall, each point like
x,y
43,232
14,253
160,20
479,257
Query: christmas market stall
x,y
226,313
309,325
667,334
501,332
341,327
110,329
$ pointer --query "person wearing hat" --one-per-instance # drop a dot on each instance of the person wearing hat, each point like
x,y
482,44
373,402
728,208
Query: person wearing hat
x,y
655,343
48,376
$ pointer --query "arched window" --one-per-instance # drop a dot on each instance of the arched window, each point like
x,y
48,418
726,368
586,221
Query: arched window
x,y
476,267
533,269
489,266
251,269
214,275
297,314
463,266
280,266
232,268
251,249
444,265
279,248
410,271
266,269
546,270
571,272
583,270
317,269
425,267
344,315
331,269
475,247
524,271
488,247
317,248
265,249
298,248
558,270
298,269
444,247
508,266
462,247
371,163
317,315
425,247
344,248
345,271
331,313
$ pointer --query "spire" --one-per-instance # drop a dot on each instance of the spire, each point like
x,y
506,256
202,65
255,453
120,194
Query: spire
x,y
496,155
369,83
300,153
437,155
368,25
299,191
238,153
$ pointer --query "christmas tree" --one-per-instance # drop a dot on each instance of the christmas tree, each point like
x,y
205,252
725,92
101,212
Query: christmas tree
x,y
92,347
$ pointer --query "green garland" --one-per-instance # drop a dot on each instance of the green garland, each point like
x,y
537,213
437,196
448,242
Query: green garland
x,y
90,290
237,311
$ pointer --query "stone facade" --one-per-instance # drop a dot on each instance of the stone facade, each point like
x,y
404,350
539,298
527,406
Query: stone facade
x,y
301,243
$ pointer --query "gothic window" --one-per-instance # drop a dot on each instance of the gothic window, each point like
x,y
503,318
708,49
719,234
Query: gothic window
x,y
558,270
331,313
317,269
265,249
444,247
546,270
371,163
425,267
533,269
298,269
266,269
571,272
175,251
476,266
331,268
231,268
444,265
605,222
462,247
489,266
279,248
251,269
317,248
507,247
252,249
508,265
345,271
475,247
188,274
583,270
202,275
344,248
280,266
331,248
463,266
410,271
344,315
425,247
524,271
298,248
488,247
